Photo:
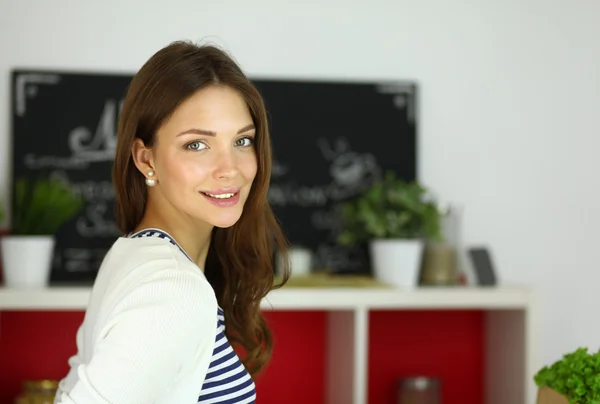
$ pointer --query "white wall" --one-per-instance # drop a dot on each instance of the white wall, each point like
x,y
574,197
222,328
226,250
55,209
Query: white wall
x,y
510,106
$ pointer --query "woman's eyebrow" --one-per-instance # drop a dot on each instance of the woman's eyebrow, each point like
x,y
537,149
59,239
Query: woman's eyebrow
x,y
197,131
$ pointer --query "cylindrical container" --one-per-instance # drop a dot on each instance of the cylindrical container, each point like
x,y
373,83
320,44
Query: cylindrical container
x,y
439,264
27,260
396,262
419,390
38,392
452,225
300,260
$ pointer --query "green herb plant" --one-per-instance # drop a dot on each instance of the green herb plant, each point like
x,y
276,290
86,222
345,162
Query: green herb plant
x,y
42,206
575,376
391,208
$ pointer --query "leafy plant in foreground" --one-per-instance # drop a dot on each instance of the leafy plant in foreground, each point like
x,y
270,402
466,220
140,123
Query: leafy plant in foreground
x,y
575,376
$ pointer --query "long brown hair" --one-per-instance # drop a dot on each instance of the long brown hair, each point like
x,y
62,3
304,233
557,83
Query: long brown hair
x,y
239,265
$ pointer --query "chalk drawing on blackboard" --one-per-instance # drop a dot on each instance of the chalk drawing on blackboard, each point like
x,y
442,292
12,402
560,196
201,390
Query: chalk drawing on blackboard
x,y
400,101
85,148
27,85
94,222
278,169
35,162
329,220
82,260
395,88
330,256
102,145
294,194
351,172
405,98
100,196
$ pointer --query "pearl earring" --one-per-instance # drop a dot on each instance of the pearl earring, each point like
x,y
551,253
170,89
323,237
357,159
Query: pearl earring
x,y
150,181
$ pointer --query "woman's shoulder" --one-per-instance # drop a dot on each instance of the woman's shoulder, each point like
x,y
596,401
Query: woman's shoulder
x,y
149,253
151,317
153,268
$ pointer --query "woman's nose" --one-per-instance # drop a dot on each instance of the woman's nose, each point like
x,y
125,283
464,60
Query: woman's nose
x,y
225,165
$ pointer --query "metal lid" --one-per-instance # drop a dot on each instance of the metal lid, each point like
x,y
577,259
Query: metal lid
x,y
40,385
419,383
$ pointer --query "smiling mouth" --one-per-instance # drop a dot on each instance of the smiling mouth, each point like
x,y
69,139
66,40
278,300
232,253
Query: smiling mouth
x,y
220,196
222,200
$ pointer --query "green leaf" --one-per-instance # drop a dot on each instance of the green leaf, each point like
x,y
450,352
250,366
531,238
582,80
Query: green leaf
x,y
42,205
391,208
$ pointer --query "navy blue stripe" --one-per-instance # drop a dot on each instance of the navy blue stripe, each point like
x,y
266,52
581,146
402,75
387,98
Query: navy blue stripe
x,y
227,391
226,369
222,359
238,399
221,347
239,375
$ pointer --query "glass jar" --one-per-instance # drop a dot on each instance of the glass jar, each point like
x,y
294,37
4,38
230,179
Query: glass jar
x,y
439,265
38,392
419,390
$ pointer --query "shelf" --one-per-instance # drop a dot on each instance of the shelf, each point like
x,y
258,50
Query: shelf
x,y
509,327
374,298
306,298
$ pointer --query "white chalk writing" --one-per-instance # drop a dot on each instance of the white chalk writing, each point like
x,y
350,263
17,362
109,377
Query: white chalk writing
x,y
101,146
82,259
350,173
85,148
335,257
95,220
27,85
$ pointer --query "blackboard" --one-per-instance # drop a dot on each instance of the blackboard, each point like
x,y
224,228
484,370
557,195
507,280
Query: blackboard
x,y
331,140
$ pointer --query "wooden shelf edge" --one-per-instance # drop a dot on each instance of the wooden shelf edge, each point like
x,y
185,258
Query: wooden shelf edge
x,y
309,298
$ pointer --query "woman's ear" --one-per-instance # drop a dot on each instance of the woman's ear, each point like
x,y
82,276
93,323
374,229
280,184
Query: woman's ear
x,y
142,157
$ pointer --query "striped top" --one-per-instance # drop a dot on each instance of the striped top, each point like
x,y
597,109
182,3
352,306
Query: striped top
x,y
227,381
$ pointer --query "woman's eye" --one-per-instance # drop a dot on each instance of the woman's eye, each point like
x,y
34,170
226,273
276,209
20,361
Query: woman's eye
x,y
244,142
195,146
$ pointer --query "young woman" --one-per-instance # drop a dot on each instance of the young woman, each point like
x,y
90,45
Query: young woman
x,y
182,288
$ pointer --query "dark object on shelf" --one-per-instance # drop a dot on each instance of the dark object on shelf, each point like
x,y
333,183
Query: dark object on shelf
x,y
483,266
419,390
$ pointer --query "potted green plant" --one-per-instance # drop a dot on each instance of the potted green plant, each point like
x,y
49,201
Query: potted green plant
x,y
396,218
41,206
573,379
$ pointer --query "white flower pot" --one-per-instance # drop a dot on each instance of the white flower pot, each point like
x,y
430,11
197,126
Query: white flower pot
x,y
397,262
27,260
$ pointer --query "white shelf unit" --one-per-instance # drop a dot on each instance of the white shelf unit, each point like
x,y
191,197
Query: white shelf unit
x,y
510,317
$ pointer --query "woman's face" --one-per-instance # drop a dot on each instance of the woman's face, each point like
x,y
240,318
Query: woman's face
x,y
204,158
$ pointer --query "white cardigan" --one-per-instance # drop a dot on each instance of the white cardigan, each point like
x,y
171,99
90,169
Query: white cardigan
x,y
148,332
